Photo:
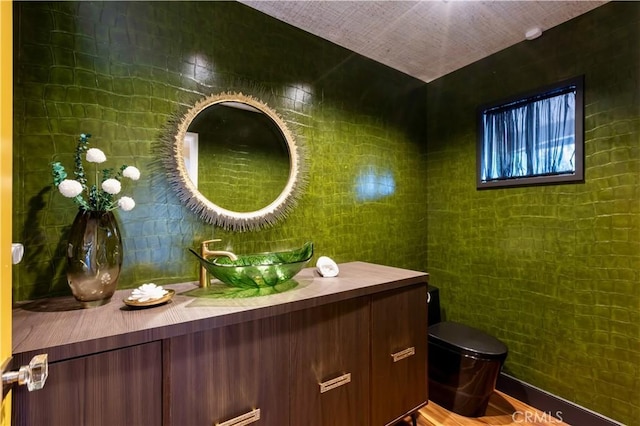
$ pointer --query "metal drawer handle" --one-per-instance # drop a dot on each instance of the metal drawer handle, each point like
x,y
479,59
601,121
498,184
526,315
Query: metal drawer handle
x,y
245,419
334,383
403,354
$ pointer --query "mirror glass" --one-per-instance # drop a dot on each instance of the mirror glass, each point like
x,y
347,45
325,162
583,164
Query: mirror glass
x,y
244,161
235,162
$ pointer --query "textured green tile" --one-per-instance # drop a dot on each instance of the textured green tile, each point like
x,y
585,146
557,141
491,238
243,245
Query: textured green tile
x,y
552,270
127,61
567,258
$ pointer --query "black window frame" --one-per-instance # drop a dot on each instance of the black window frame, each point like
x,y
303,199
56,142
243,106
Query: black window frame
x,y
531,96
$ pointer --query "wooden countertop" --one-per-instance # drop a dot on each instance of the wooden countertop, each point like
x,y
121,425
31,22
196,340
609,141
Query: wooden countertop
x,y
61,328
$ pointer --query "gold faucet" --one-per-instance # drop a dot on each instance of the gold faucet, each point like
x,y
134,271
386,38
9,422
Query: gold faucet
x,y
206,253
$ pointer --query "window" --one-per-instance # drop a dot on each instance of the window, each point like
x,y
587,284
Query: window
x,y
533,139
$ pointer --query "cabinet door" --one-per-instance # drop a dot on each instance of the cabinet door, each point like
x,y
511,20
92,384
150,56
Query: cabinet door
x,y
218,375
398,353
330,342
120,387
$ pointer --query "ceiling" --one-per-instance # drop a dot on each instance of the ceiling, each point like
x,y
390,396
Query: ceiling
x,y
425,39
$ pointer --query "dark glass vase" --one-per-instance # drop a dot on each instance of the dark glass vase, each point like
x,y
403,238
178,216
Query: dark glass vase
x,y
94,257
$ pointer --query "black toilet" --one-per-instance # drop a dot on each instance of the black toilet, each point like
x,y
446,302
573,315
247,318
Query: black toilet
x,y
464,363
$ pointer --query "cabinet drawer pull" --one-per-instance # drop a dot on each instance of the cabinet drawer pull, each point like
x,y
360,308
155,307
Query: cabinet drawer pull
x,y
245,419
334,383
403,354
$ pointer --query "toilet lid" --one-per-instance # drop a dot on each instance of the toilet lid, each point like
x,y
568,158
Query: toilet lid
x,y
462,338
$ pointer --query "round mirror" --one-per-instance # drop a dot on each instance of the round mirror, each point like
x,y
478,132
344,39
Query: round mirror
x,y
235,162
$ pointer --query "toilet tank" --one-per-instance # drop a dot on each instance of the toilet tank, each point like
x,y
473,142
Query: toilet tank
x,y
433,301
464,364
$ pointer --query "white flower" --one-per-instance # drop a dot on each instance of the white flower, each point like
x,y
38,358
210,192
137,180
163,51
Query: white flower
x,y
111,186
131,172
94,155
126,203
70,188
100,190
147,292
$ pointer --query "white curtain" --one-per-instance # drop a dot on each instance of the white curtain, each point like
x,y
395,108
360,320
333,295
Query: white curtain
x,y
535,138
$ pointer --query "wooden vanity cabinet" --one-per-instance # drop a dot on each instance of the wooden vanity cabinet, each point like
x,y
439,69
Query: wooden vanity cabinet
x,y
330,364
344,351
398,353
118,387
218,375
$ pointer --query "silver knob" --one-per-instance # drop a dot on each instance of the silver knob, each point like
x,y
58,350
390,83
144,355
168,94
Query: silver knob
x,y
33,375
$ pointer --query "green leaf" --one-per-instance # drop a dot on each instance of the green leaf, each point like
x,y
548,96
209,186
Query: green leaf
x,y
58,172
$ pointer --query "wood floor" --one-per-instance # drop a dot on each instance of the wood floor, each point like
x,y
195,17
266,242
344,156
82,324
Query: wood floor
x,y
503,410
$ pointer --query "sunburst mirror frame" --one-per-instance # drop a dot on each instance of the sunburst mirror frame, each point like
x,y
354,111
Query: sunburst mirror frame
x,y
209,211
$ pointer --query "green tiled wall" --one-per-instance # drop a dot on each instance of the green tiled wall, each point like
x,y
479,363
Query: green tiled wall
x,y
553,271
122,70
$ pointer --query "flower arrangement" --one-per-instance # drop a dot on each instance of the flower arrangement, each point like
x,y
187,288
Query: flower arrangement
x,y
92,197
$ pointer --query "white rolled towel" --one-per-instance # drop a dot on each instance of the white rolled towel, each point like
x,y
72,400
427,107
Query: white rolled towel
x,y
327,267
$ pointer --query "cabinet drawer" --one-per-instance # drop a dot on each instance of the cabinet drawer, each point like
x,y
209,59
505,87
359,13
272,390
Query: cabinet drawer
x,y
330,365
119,387
225,375
398,353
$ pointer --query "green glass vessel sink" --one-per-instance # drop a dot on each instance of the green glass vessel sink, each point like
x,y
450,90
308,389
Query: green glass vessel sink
x,y
256,271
